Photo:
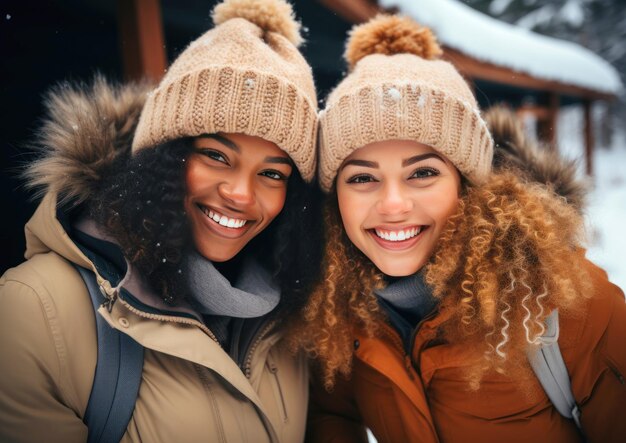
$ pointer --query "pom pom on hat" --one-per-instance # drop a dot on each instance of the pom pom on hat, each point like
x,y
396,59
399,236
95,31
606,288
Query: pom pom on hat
x,y
269,15
390,34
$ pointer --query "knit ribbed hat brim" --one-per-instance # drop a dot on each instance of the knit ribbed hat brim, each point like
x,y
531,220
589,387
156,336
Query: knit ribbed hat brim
x,y
243,76
398,90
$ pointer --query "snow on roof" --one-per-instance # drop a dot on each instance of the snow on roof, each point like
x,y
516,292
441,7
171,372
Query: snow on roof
x,y
477,35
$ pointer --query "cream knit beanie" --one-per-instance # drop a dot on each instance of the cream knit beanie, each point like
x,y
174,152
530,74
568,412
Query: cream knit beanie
x,y
395,90
245,75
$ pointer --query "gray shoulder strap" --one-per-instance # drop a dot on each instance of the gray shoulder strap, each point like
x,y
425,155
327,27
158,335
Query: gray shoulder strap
x,y
117,378
549,367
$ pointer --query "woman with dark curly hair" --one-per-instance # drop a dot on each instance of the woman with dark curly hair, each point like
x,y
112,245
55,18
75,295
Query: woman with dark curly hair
x,y
189,203
441,280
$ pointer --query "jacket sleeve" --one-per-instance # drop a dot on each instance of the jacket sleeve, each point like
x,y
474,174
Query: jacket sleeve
x,y
34,394
334,416
599,375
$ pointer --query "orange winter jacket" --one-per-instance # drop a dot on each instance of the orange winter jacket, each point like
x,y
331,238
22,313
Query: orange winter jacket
x,y
424,397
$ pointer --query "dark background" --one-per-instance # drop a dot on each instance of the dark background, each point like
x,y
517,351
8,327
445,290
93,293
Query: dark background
x,y
46,42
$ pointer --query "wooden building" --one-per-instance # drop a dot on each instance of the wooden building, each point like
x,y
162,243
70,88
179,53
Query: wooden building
x,y
141,27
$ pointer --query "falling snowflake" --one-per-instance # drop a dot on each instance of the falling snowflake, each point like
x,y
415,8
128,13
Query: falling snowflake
x,y
394,94
421,101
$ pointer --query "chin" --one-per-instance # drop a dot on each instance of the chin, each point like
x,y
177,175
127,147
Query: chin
x,y
216,256
398,268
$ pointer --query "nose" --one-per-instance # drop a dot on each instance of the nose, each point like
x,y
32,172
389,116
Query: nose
x,y
394,200
238,192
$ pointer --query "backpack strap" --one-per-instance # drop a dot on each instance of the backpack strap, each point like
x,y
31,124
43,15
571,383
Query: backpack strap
x,y
549,367
117,378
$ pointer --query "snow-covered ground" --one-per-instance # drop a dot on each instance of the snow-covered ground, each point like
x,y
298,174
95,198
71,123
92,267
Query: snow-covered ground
x,y
606,210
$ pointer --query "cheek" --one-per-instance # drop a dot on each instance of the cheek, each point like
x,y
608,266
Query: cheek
x,y
352,214
196,176
442,205
273,201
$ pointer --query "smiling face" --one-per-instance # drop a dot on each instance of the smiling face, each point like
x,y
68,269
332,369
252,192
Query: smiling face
x,y
394,198
236,185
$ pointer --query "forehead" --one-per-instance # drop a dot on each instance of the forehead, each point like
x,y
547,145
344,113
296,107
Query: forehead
x,y
391,150
243,143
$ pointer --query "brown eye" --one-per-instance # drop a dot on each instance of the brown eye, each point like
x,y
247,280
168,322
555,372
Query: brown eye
x,y
361,178
214,155
274,175
423,173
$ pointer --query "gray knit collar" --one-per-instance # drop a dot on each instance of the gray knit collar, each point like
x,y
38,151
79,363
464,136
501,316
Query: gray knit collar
x,y
253,294
409,293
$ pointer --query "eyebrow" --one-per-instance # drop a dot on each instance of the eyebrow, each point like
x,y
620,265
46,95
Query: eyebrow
x,y
232,145
223,140
356,162
279,160
417,158
405,162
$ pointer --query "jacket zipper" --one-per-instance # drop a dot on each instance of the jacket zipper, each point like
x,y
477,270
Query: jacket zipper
x,y
202,374
617,374
110,297
418,327
278,392
247,366
247,370
397,342
171,319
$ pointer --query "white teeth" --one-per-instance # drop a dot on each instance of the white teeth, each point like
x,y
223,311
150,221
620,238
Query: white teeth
x,y
398,235
223,220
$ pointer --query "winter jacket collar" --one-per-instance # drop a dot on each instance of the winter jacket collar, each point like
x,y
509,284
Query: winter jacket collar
x,y
407,301
124,275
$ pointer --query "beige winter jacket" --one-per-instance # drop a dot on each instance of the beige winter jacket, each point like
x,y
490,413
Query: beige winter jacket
x,y
191,390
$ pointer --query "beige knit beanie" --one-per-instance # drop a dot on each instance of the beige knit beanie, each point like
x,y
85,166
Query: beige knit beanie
x,y
245,75
396,90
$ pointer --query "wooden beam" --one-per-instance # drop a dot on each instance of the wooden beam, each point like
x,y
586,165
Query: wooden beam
x,y
141,37
354,11
588,137
549,124
472,68
359,11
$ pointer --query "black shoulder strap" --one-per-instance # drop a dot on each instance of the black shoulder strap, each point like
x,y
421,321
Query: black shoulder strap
x,y
117,378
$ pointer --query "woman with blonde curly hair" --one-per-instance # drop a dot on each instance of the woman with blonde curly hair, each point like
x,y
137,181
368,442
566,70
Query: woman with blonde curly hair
x,y
439,275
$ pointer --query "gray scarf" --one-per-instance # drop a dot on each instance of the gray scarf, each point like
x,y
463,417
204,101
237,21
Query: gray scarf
x,y
252,295
409,295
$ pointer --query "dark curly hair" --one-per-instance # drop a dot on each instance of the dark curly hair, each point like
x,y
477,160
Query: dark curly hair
x,y
141,204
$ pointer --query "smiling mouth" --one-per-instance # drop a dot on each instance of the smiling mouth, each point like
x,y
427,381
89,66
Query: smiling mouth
x,y
398,235
223,220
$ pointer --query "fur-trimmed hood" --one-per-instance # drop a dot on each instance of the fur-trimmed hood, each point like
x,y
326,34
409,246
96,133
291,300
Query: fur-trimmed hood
x,y
513,150
85,128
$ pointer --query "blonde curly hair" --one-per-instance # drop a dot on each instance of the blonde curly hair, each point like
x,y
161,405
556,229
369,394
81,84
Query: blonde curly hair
x,y
507,257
